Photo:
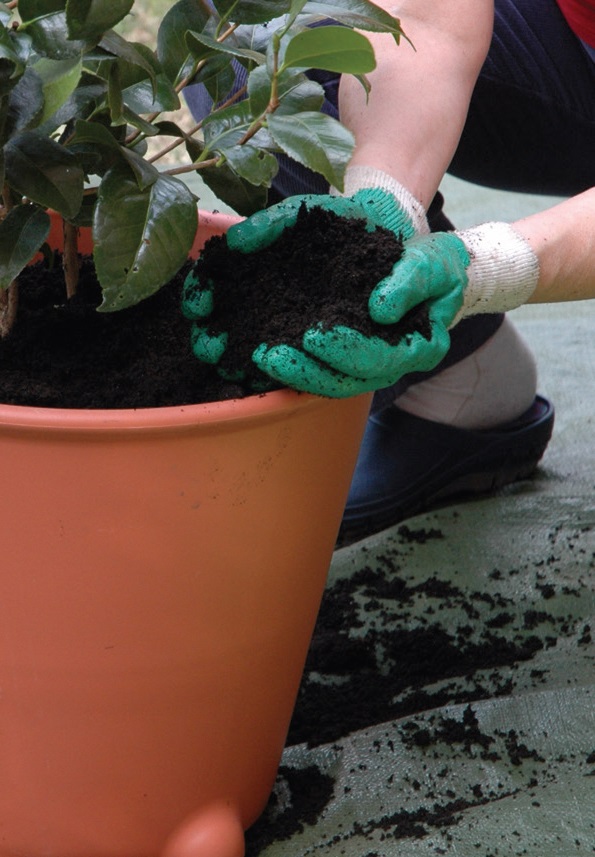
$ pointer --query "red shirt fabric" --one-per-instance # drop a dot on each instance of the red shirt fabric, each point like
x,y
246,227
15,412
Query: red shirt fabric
x,y
580,15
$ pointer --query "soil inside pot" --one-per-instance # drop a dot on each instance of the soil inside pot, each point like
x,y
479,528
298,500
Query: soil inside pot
x,y
66,354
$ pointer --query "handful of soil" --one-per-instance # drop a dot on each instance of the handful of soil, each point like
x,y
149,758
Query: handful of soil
x,y
322,271
64,354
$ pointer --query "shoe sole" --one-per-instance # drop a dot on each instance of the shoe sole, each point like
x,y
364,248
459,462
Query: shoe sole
x,y
464,486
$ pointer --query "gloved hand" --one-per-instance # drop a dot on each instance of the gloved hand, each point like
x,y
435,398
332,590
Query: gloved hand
x,y
341,361
485,269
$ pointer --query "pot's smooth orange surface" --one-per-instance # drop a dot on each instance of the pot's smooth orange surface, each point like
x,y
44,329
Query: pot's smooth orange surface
x,y
160,578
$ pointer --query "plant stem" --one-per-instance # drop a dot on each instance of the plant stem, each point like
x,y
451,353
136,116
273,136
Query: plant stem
x,y
193,168
9,300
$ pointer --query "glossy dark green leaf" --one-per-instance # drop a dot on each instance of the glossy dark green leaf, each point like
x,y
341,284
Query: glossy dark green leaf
x,y
59,79
82,103
90,19
228,128
129,53
142,97
50,38
44,172
245,198
356,13
295,91
144,172
22,232
218,76
172,49
12,62
145,92
25,104
198,42
251,11
95,134
141,237
252,164
330,48
230,123
95,147
29,10
315,140
193,146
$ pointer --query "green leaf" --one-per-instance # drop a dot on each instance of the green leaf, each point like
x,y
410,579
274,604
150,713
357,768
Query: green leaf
x,y
331,48
193,147
143,91
44,172
145,173
96,134
81,104
29,10
218,76
172,49
226,127
245,198
295,91
360,14
251,11
315,140
141,237
22,232
90,19
130,53
50,38
306,95
59,80
142,97
25,104
197,42
13,57
252,164
96,147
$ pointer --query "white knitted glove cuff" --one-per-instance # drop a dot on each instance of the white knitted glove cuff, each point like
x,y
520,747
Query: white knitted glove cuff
x,y
503,272
358,178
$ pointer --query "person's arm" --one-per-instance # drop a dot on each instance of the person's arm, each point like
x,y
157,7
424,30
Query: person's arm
x,y
411,123
410,126
563,239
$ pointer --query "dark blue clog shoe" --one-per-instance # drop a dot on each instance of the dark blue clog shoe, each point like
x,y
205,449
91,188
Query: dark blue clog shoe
x,y
408,465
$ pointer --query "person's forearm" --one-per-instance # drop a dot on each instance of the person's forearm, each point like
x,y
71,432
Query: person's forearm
x,y
563,238
411,123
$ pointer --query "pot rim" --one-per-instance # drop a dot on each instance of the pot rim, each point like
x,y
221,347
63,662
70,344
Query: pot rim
x,y
249,408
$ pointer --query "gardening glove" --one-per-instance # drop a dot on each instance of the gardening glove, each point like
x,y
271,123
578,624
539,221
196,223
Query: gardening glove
x,y
341,361
485,269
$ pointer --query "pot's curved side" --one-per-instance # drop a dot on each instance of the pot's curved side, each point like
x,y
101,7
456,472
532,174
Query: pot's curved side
x,y
157,598
159,585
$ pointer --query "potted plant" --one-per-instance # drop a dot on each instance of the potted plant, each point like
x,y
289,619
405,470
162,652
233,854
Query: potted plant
x,y
162,566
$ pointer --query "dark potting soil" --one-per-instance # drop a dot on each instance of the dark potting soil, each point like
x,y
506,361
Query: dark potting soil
x,y
63,353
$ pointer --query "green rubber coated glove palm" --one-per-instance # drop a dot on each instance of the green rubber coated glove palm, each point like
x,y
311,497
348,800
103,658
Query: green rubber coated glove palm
x,y
340,361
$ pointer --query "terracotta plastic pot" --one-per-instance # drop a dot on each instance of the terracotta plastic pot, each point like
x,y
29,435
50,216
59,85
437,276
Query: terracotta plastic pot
x,y
161,575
